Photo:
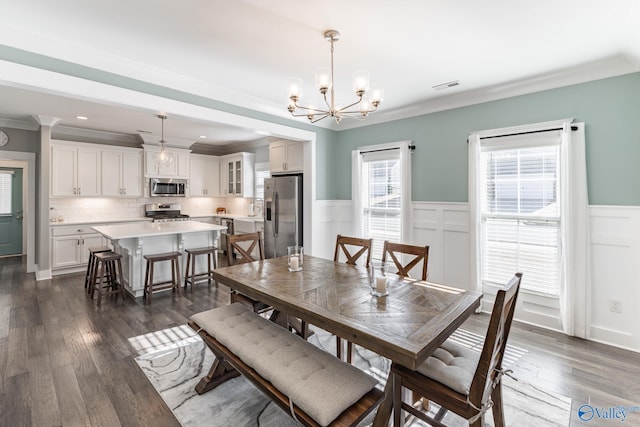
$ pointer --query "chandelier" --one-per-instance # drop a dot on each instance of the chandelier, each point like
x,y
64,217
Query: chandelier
x,y
164,157
325,84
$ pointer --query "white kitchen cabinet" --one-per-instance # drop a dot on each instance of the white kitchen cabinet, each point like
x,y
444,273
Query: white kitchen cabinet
x,y
70,245
121,173
286,156
178,167
236,175
204,176
75,170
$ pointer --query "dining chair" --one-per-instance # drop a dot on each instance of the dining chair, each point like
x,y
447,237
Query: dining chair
x,y
353,248
459,379
243,248
395,252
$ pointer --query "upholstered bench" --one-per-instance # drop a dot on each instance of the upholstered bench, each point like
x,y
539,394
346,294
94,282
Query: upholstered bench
x,y
315,387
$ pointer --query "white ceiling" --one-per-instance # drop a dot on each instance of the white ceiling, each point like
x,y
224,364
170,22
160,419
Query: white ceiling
x,y
243,52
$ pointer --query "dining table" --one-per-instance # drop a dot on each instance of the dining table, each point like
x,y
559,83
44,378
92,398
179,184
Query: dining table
x,y
405,326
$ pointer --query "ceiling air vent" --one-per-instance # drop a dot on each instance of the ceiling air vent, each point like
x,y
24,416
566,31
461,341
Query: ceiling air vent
x,y
447,85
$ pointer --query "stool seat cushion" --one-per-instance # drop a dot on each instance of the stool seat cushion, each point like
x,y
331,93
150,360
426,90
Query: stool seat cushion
x,y
452,365
316,381
163,256
201,251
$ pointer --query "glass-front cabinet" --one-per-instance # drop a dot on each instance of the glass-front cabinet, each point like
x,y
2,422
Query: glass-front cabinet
x,y
237,174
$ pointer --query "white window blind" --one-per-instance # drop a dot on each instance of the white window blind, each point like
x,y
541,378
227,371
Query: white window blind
x,y
520,211
382,204
261,173
5,192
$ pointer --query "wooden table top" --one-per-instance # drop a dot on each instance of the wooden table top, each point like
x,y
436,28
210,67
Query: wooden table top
x,y
406,326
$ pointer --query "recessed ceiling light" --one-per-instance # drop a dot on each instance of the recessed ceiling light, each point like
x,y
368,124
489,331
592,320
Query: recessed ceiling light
x,y
203,136
82,117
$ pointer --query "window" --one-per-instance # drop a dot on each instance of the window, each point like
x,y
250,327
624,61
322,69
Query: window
x,y
382,201
5,193
529,210
520,215
261,173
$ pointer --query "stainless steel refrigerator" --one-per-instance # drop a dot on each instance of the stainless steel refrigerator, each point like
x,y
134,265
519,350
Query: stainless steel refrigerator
x,y
282,214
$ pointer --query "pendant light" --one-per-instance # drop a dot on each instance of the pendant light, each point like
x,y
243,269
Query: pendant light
x,y
164,158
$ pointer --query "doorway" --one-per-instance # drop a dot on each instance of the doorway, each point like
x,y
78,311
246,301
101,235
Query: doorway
x,y
11,211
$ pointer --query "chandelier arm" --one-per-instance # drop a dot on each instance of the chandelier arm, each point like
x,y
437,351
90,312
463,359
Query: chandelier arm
x,y
317,110
370,110
346,107
319,118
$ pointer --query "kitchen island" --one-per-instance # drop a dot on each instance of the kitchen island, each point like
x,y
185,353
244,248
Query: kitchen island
x,y
133,241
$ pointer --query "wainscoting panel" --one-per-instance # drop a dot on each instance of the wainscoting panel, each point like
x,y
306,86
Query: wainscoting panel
x,y
615,275
615,266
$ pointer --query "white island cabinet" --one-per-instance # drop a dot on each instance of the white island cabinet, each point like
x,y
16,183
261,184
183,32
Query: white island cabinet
x,y
133,241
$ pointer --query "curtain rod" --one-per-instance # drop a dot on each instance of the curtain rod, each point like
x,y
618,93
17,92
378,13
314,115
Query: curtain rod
x,y
573,128
411,148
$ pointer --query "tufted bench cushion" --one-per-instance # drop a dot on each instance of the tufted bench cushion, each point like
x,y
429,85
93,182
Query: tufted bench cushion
x,y
317,382
452,365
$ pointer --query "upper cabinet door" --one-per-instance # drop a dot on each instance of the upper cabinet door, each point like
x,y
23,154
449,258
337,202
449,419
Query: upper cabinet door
x,y
132,174
111,162
88,172
63,171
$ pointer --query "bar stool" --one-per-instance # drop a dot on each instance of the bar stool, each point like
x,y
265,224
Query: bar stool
x,y
110,280
174,283
211,253
91,264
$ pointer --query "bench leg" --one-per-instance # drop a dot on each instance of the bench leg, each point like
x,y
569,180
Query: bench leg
x,y
219,373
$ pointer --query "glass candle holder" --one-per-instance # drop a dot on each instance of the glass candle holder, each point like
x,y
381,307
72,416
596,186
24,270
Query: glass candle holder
x,y
378,278
295,258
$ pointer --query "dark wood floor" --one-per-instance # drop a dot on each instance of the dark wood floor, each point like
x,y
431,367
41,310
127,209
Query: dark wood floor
x,y
64,361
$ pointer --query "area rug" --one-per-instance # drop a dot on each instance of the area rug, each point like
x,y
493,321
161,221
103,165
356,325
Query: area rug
x,y
175,359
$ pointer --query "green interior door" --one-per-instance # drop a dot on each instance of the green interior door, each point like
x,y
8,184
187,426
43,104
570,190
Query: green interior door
x,y
10,211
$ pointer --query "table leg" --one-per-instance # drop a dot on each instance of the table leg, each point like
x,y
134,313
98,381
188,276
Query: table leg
x,y
384,410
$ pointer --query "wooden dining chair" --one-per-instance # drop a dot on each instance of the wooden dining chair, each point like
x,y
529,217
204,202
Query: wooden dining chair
x,y
395,252
460,379
241,248
353,248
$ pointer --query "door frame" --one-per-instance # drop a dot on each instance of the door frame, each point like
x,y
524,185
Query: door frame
x,y
26,161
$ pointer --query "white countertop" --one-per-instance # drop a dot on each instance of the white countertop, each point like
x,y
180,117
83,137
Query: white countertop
x,y
128,231
97,221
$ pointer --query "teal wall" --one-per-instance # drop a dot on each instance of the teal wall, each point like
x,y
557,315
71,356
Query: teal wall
x,y
609,107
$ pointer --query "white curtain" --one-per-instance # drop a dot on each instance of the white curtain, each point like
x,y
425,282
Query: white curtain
x,y
575,279
405,159
475,211
356,192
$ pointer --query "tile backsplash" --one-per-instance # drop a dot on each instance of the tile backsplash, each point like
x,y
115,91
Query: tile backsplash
x,y
102,209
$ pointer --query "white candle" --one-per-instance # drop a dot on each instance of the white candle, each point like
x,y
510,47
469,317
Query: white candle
x,y
381,285
293,262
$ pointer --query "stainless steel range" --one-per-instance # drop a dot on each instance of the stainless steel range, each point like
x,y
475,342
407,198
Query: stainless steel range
x,y
164,212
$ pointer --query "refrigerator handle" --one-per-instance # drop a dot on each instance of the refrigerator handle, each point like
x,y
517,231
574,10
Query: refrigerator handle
x,y
276,216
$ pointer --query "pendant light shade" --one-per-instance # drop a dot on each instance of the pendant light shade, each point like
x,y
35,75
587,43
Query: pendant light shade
x,y
164,157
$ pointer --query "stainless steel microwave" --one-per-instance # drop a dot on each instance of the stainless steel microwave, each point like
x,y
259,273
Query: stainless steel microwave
x,y
167,187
